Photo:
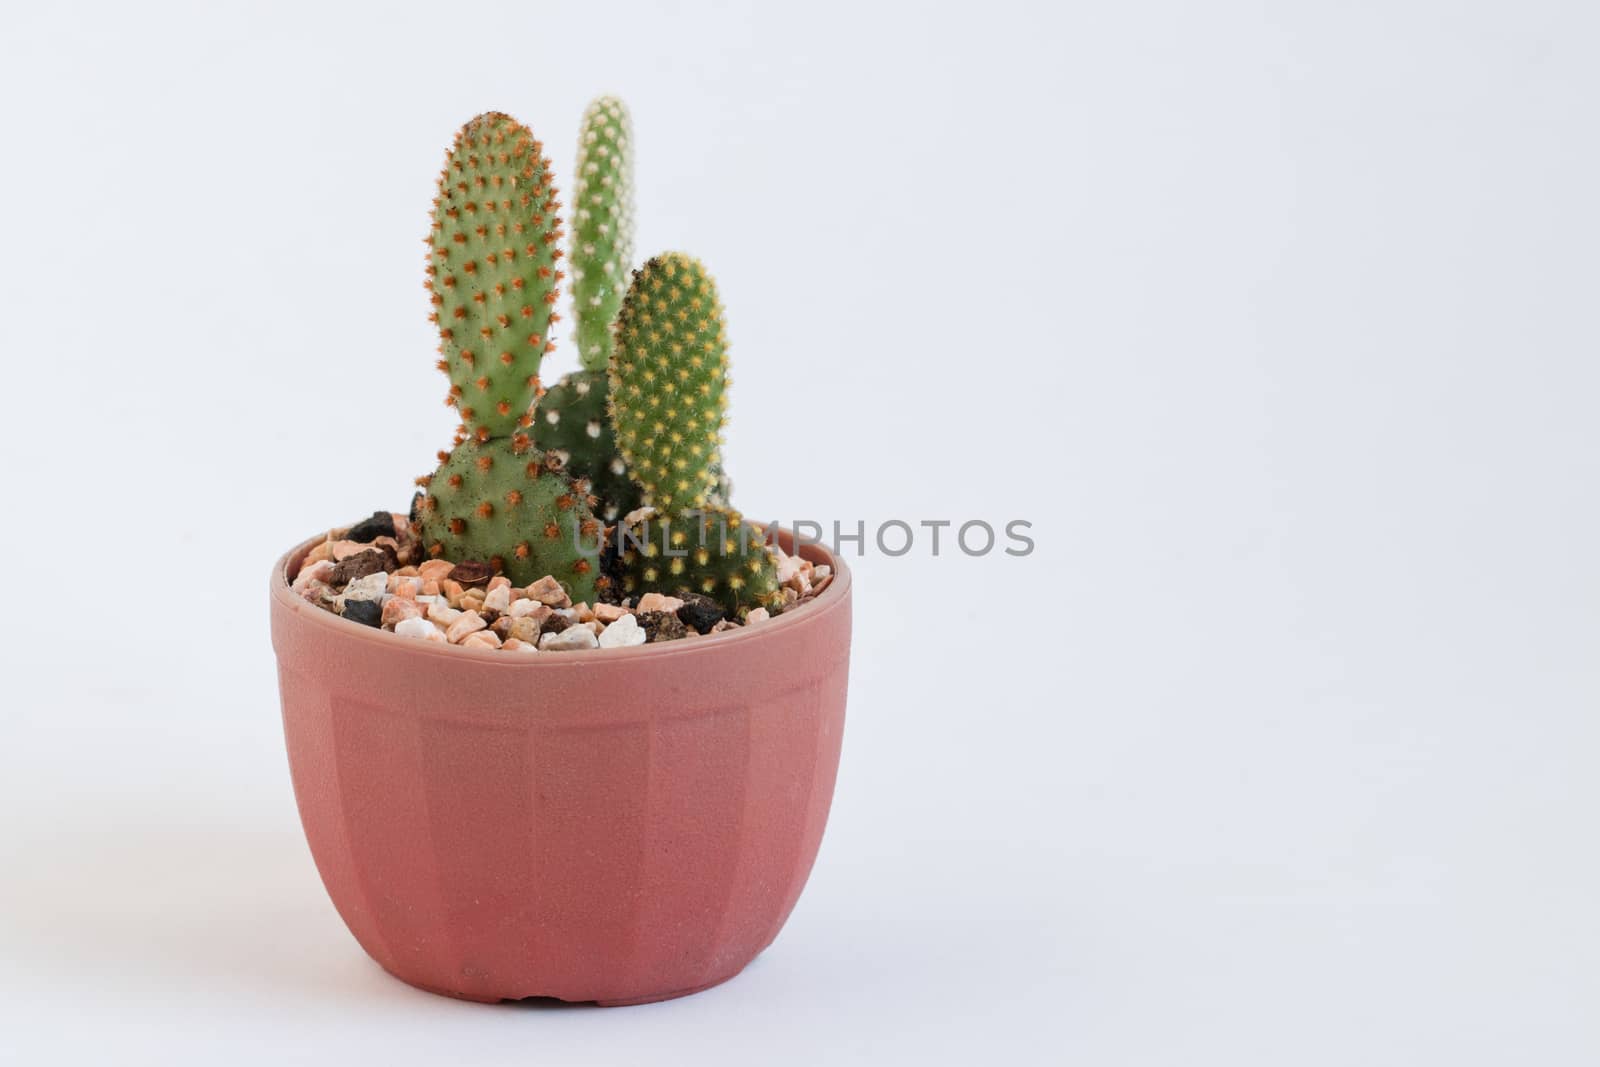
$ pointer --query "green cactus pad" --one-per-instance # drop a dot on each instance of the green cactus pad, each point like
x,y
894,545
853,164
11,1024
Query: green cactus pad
x,y
505,503
602,226
492,255
723,557
572,422
668,381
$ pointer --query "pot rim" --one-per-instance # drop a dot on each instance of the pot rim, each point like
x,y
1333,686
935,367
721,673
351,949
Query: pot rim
x,y
339,628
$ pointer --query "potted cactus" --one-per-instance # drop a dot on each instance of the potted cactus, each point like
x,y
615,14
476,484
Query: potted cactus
x,y
569,726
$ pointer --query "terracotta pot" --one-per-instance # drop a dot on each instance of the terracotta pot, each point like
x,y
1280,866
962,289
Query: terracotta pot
x,y
618,825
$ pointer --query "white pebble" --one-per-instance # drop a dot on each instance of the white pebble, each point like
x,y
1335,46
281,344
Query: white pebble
x,y
572,639
498,599
418,628
441,614
624,632
757,615
369,588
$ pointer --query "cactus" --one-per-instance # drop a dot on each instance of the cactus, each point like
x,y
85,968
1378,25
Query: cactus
x,y
722,557
492,257
572,417
572,422
668,381
505,503
519,491
492,272
602,226
668,375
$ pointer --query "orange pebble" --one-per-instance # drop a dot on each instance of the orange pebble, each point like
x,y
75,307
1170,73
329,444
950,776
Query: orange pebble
x,y
435,569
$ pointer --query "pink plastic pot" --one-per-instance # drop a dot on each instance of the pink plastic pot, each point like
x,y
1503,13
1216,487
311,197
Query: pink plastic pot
x,y
619,825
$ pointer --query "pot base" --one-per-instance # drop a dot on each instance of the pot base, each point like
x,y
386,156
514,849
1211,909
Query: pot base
x,y
624,1002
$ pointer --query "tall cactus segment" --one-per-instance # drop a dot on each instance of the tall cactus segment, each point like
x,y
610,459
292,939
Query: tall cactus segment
x,y
492,271
572,419
668,380
602,226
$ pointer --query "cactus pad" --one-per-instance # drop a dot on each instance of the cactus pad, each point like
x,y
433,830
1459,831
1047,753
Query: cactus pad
x,y
572,422
505,503
602,226
723,557
492,255
668,380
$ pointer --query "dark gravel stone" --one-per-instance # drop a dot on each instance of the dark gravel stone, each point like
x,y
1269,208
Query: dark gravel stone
x,y
380,525
611,568
554,625
662,626
366,612
359,565
699,611
470,572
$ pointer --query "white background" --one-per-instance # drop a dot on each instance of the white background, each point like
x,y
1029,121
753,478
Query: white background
x,y
1276,320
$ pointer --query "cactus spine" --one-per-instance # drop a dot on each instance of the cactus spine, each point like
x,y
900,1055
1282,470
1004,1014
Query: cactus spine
x,y
668,377
492,272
